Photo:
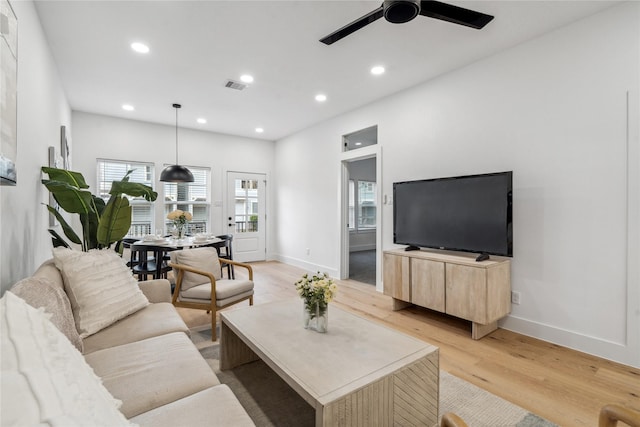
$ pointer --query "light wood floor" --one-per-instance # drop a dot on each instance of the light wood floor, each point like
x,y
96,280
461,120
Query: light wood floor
x,y
562,385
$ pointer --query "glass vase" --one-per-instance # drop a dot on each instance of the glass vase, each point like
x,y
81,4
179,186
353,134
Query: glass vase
x,y
315,316
179,231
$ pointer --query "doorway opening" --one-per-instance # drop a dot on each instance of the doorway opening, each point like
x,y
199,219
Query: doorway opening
x,y
361,207
362,189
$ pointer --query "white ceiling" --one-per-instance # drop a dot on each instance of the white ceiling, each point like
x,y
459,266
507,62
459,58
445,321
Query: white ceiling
x,y
196,46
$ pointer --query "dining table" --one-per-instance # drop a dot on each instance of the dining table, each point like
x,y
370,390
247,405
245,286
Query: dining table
x,y
155,266
172,243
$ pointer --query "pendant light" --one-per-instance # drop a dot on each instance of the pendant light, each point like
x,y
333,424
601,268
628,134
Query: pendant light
x,y
176,173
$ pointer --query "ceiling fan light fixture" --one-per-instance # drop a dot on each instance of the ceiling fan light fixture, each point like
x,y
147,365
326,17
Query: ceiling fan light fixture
x,y
176,173
401,11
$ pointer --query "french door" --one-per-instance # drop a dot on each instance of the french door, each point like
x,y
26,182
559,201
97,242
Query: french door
x,y
246,215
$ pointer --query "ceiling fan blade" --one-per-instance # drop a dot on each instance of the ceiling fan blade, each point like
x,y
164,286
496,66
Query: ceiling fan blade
x,y
455,14
353,26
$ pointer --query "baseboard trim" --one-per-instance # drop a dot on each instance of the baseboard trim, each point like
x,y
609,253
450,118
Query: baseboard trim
x,y
615,351
309,266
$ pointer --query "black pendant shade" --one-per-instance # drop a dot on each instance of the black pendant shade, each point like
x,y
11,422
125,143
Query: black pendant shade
x,y
176,173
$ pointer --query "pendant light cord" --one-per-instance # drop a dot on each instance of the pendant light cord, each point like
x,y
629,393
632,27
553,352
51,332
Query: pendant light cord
x,y
177,106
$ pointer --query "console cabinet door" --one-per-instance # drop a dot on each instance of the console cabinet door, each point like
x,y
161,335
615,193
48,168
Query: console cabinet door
x,y
396,277
427,283
466,289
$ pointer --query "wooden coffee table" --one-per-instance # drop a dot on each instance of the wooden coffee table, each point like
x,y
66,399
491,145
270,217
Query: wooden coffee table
x,y
358,373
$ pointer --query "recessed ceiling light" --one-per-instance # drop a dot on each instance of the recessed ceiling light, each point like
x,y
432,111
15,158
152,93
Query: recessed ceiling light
x,y
201,121
259,130
358,144
377,70
128,107
246,78
140,47
321,97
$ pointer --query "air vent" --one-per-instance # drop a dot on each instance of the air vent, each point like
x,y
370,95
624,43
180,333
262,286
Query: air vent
x,y
231,84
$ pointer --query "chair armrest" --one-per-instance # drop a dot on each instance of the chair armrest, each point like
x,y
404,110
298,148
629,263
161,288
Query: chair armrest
x,y
239,264
158,290
181,268
450,419
611,414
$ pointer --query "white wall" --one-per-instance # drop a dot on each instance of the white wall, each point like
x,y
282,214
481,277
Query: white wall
x,y
553,110
42,109
97,136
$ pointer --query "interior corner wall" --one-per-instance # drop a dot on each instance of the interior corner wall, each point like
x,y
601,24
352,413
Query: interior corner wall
x,y
98,136
42,109
561,112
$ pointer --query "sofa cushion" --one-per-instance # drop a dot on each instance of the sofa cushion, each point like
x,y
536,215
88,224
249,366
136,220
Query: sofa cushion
x,y
42,292
45,380
152,321
215,406
205,259
153,372
100,287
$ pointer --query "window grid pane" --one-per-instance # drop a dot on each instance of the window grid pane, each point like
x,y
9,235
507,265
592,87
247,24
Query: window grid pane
x,y
366,204
141,210
190,197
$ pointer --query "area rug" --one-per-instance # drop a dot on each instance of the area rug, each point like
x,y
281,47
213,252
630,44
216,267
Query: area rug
x,y
269,401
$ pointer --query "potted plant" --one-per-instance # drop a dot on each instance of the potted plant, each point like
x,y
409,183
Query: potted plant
x,y
102,223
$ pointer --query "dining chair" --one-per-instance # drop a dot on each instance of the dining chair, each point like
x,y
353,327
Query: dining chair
x,y
125,253
225,251
149,260
200,285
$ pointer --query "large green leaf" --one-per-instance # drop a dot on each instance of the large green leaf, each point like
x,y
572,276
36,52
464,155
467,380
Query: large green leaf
x,y
115,221
68,231
70,198
134,189
72,178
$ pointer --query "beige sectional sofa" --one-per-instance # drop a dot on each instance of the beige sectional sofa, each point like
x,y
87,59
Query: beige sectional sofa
x,y
145,360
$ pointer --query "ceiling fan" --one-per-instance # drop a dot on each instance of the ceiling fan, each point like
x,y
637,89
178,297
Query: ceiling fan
x,y
401,11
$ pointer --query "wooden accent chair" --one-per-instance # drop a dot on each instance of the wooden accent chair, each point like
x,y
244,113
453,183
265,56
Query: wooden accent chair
x,y
611,414
450,419
199,282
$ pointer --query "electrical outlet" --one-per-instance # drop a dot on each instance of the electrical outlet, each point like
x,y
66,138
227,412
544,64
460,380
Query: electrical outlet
x,y
515,297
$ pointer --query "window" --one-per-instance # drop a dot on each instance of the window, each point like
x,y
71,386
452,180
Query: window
x,y
190,197
142,217
362,205
246,205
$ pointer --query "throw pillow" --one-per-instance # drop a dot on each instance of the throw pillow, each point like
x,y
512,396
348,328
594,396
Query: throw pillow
x,y
100,287
45,380
41,292
205,259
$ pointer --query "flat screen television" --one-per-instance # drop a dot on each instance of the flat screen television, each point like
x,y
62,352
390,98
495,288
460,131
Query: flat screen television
x,y
470,213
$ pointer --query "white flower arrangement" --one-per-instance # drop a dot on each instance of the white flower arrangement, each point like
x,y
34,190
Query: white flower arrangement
x,y
179,217
318,289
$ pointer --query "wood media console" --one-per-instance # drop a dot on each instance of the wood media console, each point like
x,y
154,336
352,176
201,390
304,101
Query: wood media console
x,y
455,284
